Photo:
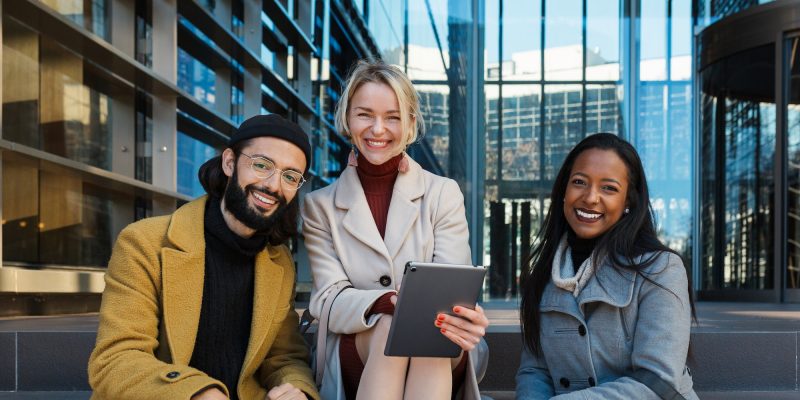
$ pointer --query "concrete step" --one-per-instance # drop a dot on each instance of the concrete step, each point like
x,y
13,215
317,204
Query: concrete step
x,y
737,350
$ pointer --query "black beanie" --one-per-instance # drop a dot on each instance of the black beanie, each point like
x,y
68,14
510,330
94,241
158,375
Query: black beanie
x,y
273,125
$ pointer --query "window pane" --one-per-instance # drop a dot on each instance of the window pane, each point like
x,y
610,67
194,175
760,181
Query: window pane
x,y
521,104
192,153
562,122
793,171
563,57
78,232
603,109
434,102
653,48
740,118
522,40
602,40
492,41
681,61
196,79
20,84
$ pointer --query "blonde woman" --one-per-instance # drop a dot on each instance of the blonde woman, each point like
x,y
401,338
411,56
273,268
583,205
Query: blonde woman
x,y
383,211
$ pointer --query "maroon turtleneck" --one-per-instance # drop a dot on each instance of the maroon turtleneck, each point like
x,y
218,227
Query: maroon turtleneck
x,y
378,182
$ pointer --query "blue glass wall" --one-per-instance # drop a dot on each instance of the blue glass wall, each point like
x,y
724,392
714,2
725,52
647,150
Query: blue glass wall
x,y
192,153
549,73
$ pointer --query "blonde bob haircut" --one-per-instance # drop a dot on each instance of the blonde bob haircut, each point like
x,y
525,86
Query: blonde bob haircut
x,y
376,71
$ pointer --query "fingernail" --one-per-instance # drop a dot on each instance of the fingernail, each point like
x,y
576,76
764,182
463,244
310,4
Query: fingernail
x,y
440,317
437,323
443,330
457,309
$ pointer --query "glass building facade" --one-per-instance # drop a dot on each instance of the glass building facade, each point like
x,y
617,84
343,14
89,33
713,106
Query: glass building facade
x,y
110,106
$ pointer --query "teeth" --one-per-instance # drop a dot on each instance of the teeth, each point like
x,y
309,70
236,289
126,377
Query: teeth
x,y
376,143
588,215
264,199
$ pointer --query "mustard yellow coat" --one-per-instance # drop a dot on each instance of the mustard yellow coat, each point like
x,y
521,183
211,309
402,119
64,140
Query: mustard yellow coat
x,y
151,309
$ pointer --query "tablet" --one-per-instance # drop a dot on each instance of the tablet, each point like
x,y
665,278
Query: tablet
x,y
427,290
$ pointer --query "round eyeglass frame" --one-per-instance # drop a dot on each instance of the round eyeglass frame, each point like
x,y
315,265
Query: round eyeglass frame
x,y
272,171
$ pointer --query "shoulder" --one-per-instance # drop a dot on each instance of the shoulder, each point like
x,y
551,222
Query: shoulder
x,y
666,269
151,229
440,185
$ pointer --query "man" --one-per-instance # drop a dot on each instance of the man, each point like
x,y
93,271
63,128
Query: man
x,y
199,304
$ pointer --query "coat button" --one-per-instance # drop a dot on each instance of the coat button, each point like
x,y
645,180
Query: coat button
x,y
564,382
582,330
592,383
173,374
385,281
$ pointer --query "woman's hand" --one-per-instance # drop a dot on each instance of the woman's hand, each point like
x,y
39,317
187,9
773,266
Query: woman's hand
x,y
287,391
466,329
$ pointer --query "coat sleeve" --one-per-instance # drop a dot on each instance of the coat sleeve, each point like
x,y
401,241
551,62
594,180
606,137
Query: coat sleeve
x,y
123,364
533,378
450,229
348,312
661,336
288,358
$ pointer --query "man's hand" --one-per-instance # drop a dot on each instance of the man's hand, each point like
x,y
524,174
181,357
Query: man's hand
x,y
212,393
287,391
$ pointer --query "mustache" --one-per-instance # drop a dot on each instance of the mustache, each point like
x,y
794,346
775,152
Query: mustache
x,y
254,187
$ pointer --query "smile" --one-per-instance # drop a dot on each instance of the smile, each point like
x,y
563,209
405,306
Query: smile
x,y
377,143
264,199
588,215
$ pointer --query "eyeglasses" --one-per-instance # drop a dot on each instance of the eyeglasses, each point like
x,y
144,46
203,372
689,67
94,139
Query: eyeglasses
x,y
264,168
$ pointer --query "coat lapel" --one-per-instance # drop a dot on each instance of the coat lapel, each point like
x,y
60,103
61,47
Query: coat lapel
x,y
182,275
268,281
610,285
358,219
404,209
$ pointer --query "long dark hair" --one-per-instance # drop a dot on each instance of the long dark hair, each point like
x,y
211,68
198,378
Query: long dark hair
x,y
214,181
632,236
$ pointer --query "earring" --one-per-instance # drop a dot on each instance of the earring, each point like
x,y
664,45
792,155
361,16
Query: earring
x,y
403,165
627,211
352,158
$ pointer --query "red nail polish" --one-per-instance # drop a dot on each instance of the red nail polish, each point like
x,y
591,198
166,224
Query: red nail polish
x,y
443,330
440,317
457,309
437,323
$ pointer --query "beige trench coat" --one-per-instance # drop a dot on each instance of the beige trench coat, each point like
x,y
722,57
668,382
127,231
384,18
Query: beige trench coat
x,y
426,222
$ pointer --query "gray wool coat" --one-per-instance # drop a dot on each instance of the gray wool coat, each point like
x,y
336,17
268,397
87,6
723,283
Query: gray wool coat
x,y
619,322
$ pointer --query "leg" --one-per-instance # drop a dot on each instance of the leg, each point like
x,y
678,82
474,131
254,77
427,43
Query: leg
x,y
383,377
429,378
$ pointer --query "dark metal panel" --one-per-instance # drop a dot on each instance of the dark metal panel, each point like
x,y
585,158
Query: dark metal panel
x,y
750,28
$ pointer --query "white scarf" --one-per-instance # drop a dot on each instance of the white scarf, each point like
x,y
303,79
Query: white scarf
x,y
564,275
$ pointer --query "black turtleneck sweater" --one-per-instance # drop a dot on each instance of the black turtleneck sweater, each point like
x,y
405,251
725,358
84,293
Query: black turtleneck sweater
x,y
580,249
227,310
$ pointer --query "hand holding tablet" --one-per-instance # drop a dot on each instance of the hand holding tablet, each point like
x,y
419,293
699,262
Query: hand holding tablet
x,y
428,291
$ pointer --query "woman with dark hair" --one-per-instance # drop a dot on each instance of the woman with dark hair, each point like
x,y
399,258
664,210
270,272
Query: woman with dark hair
x,y
606,307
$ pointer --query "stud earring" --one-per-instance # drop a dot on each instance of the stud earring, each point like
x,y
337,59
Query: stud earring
x,y
627,211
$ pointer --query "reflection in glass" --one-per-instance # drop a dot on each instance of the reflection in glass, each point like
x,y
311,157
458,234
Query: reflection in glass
x,y
739,112
77,232
20,84
192,153
793,171
90,14
520,156
602,40
563,125
603,109
563,35
653,63
434,103
196,79
521,41
385,21
492,94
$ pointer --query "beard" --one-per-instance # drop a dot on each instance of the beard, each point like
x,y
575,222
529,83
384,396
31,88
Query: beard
x,y
236,203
